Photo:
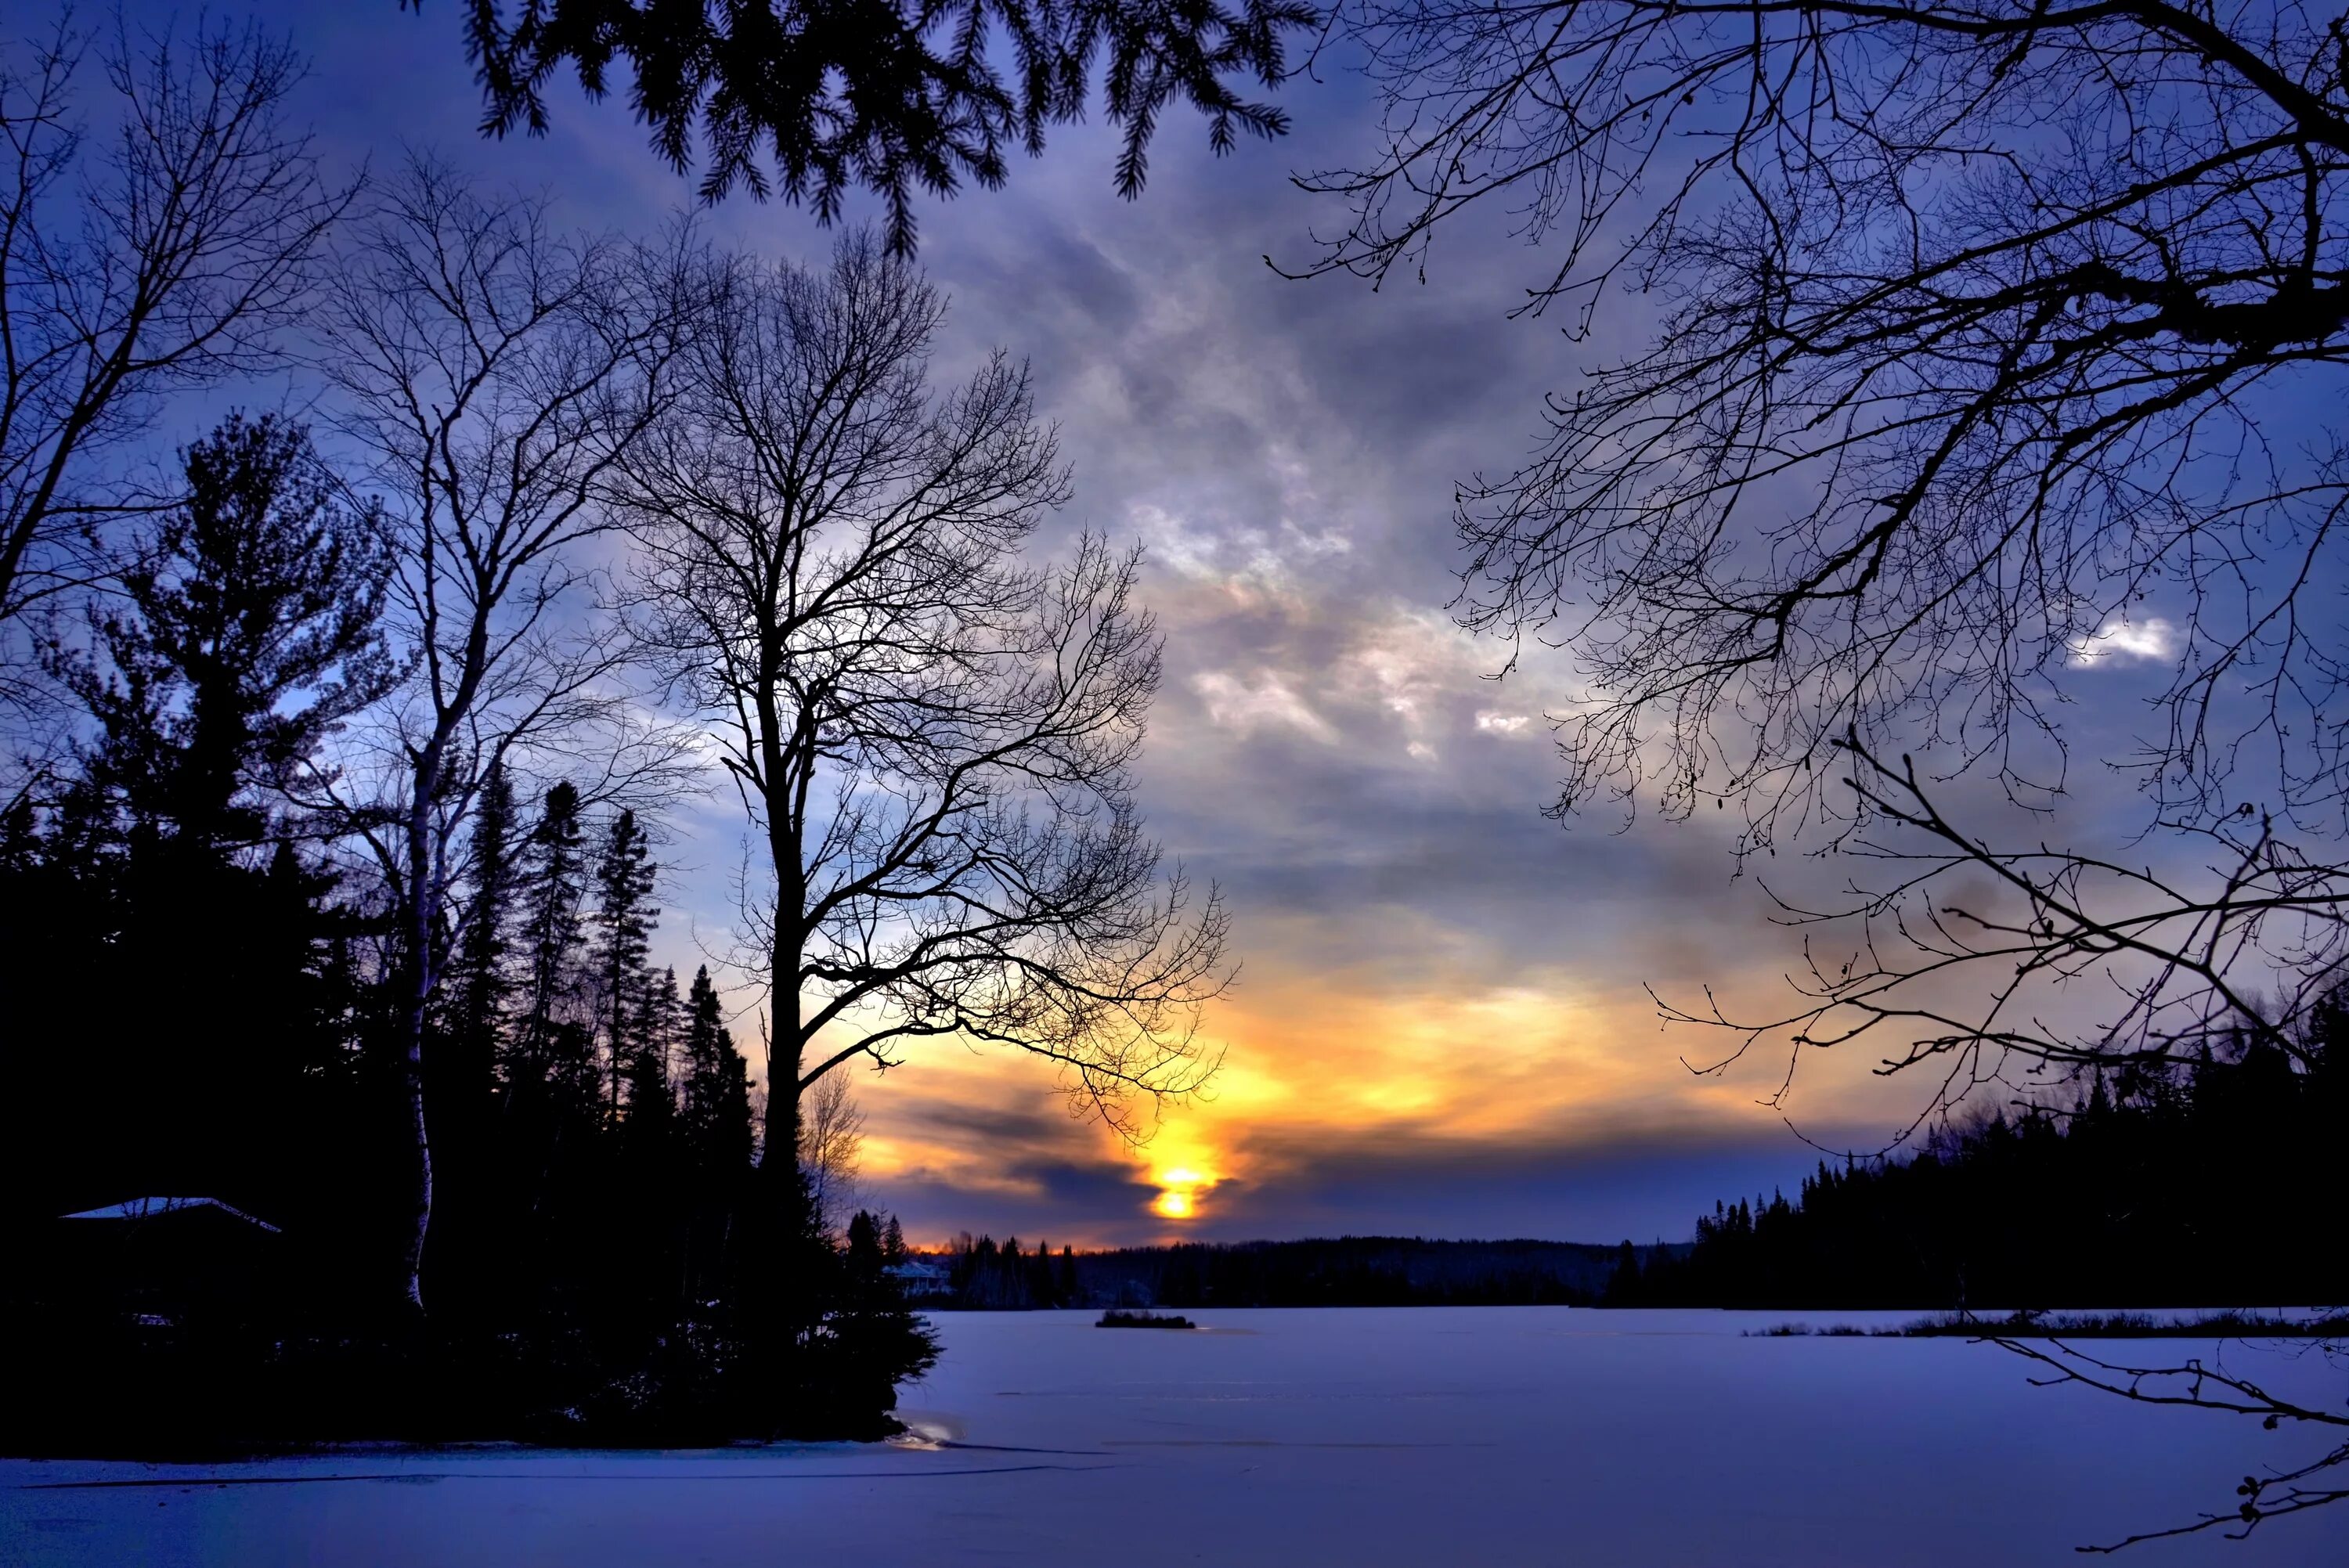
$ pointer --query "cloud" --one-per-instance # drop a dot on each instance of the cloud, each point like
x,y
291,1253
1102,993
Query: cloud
x,y
2151,639
1246,707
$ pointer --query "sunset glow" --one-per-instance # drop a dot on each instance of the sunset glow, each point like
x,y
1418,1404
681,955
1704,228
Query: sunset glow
x,y
1180,1191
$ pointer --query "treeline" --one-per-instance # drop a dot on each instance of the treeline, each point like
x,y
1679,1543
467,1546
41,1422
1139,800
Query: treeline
x,y
983,1276
2212,1184
1348,1271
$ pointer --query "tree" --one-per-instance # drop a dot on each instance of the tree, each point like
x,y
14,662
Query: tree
x,y
716,1089
831,1139
649,1127
491,369
817,100
657,1024
478,970
554,927
243,634
625,919
247,631
1973,321
167,256
932,739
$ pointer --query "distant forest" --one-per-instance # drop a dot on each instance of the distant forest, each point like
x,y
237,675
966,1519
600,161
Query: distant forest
x,y
1345,1271
2213,1183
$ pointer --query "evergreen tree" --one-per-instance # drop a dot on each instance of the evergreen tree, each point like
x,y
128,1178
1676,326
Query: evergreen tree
x,y
658,1027
717,1085
648,1132
625,919
480,986
551,935
246,631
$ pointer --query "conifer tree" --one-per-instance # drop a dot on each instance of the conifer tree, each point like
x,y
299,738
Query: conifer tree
x,y
245,631
481,985
625,919
551,931
649,1128
656,1025
717,1085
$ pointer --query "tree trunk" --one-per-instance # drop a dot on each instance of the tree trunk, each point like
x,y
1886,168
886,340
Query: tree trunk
x,y
409,1046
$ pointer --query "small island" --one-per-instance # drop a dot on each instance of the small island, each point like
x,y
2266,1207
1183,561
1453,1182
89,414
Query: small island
x,y
1117,1317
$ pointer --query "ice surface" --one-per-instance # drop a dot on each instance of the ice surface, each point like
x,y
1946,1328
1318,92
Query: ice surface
x,y
1420,1436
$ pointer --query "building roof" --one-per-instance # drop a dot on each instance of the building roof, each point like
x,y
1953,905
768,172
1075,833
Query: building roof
x,y
150,1208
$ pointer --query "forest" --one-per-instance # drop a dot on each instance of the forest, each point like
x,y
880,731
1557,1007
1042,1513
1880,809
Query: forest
x,y
2207,1183
598,1194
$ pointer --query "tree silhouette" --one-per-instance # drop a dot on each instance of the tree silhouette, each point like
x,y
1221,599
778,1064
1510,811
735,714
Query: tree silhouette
x,y
1956,310
625,919
489,368
248,631
813,100
931,738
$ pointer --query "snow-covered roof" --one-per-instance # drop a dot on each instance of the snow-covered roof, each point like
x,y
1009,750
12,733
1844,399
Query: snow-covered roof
x,y
147,1208
915,1269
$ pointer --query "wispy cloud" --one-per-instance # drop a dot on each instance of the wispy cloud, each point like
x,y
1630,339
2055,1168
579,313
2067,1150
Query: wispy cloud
x,y
1246,706
2123,639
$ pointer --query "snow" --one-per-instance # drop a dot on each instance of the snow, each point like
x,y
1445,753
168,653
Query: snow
x,y
1485,1436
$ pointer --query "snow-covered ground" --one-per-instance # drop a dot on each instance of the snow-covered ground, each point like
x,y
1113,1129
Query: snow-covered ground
x,y
1427,1437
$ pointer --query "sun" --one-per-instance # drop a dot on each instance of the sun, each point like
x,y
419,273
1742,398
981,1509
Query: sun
x,y
1179,1197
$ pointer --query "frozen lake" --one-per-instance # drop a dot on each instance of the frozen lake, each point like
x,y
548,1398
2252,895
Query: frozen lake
x,y
1421,1437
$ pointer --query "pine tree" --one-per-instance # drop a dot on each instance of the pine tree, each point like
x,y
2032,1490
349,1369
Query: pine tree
x,y
480,986
246,631
551,934
650,1126
658,1024
625,919
717,1085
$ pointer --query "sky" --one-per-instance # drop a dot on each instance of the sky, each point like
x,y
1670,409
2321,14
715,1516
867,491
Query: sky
x,y
1441,1024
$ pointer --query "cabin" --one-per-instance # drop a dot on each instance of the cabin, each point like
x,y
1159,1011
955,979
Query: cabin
x,y
921,1279
161,1260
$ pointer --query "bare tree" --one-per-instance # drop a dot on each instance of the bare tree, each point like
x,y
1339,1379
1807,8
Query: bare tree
x,y
492,369
832,1144
1956,958
932,739
166,254
1980,329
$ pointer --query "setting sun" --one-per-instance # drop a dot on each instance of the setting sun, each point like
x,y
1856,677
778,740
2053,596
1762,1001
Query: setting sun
x,y
1180,1198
